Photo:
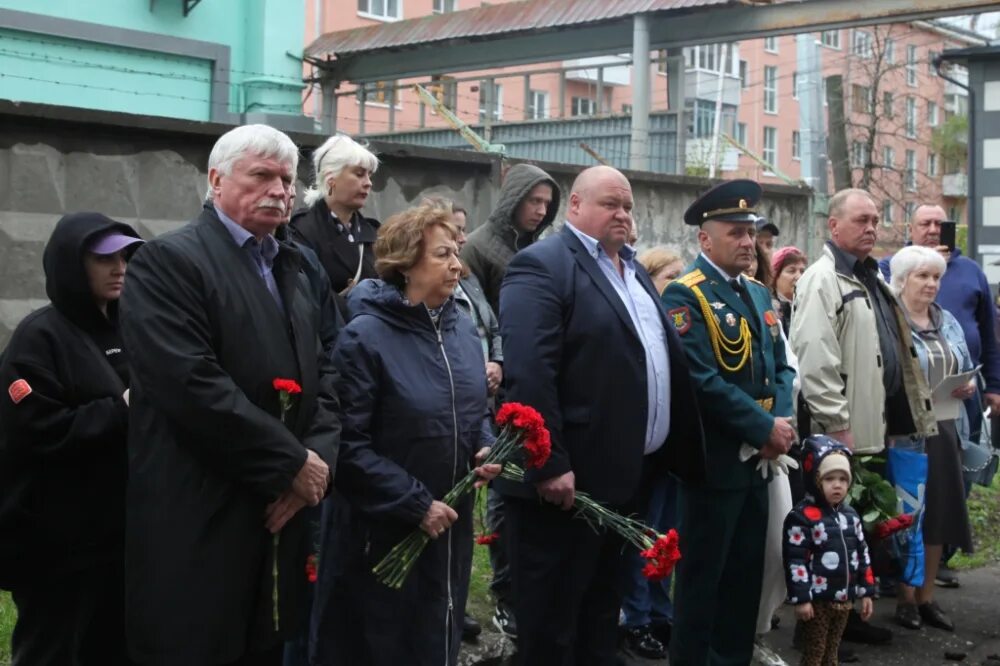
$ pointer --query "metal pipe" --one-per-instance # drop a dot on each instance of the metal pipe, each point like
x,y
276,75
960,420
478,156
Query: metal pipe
x,y
639,144
717,121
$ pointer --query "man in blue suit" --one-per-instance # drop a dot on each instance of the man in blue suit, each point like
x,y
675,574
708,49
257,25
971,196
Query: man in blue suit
x,y
587,344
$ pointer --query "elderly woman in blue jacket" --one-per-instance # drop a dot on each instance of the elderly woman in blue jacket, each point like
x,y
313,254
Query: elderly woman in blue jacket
x,y
413,407
941,347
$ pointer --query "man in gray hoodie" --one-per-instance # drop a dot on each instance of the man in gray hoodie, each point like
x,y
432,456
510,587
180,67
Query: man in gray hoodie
x,y
527,204
528,201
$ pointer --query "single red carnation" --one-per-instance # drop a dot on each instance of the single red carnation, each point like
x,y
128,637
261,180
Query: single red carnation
x,y
661,557
812,513
537,448
486,539
312,569
289,386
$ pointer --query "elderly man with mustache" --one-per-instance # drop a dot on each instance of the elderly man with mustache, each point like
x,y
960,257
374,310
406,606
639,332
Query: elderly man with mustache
x,y
220,465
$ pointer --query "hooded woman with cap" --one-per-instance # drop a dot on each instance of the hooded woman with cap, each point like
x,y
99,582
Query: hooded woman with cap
x,y
62,452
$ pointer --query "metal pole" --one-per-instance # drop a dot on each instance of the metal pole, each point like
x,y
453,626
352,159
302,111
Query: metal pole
x,y
528,114
562,94
639,144
717,121
675,102
361,109
490,109
600,90
392,108
329,106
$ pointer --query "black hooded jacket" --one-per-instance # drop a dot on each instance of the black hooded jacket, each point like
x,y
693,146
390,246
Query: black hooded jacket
x,y
63,421
823,546
491,246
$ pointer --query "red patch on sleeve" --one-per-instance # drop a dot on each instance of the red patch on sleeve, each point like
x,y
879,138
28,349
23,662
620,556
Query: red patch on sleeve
x,y
19,390
769,318
812,513
681,319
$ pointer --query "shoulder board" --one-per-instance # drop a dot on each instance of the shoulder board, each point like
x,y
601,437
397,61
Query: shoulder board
x,y
750,279
691,279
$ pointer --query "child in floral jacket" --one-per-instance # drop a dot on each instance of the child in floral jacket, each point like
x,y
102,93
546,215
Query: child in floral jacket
x,y
826,560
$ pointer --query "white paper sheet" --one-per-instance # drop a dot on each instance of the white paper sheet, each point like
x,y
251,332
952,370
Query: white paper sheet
x,y
945,406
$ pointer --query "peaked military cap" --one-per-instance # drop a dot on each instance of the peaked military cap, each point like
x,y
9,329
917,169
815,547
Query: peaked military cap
x,y
731,201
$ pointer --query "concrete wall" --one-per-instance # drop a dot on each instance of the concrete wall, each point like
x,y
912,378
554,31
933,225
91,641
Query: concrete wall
x,y
151,173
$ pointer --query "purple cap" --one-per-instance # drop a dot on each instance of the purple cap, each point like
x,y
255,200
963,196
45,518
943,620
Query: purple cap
x,y
111,242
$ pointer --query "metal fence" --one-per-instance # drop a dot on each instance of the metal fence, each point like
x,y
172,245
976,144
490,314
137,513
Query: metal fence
x,y
559,140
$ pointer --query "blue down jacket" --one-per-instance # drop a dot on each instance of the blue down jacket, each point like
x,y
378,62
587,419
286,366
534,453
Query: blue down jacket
x,y
825,555
413,411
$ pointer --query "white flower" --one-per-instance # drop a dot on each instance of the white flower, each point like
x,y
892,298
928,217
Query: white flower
x,y
843,521
854,561
840,595
819,534
819,584
800,574
795,535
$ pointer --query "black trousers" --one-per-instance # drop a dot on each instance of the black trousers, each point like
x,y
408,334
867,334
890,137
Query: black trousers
x,y
718,581
71,619
567,586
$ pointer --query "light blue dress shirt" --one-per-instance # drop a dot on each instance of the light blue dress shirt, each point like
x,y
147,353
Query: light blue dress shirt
x,y
262,253
645,315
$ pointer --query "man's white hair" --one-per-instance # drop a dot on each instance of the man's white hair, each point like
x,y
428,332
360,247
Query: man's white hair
x,y
259,140
337,153
909,259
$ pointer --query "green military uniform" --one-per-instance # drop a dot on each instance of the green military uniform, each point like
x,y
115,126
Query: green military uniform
x,y
737,359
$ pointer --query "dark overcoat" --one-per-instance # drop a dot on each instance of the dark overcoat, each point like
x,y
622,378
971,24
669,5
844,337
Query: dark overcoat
x,y
207,447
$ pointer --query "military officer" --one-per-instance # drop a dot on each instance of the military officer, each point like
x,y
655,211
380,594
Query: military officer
x,y
744,386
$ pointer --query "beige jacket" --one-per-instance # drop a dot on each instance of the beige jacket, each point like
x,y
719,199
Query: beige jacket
x,y
835,337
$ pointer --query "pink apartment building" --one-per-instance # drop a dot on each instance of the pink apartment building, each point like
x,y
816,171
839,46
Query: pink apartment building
x,y
894,100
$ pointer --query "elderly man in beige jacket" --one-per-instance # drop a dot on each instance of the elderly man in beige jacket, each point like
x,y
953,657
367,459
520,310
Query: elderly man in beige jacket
x,y
861,381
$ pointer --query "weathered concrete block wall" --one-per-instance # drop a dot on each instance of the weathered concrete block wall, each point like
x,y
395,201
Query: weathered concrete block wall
x,y
151,173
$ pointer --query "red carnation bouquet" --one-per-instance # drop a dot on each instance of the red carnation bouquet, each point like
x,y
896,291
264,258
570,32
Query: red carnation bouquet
x,y
523,438
661,551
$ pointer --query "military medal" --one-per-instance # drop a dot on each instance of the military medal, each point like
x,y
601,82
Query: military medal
x,y
717,305
730,319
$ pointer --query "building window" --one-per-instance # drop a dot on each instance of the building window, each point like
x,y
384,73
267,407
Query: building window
x,y
703,125
857,155
741,133
888,157
796,145
830,39
381,9
538,105
444,89
861,99
911,171
709,58
379,92
444,6
931,57
911,117
583,106
890,51
771,145
932,167
771,44
911,65
497,111
861,45
887,212
888,105
770,89
744,74
795,85
910,209
932,114
626,108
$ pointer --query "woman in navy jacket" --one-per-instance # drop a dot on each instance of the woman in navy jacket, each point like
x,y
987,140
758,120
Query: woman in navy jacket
x,y
413,398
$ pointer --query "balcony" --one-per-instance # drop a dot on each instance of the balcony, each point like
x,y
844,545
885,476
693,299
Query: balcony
x,y
955,185
704,84
614,73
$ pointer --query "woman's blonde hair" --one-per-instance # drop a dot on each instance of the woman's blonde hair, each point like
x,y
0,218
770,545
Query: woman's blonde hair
x,y
400,242
657,258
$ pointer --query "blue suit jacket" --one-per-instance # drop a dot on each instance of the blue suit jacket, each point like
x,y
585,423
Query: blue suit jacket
x,y
572,352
